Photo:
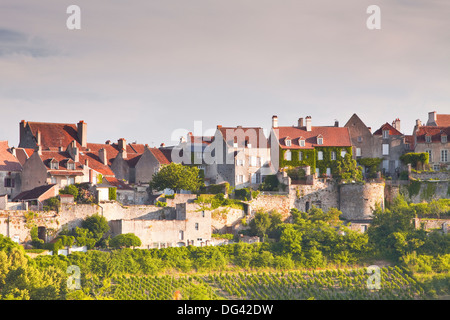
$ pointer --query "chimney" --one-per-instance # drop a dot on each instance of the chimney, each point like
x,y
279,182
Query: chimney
x,y
219,126
82,133
22,126
74,151
418,123
39,150
122,144
300,122
162,145
336,123
274,122
396,124
370,129
108,142
38,137
102,156
308,123
182,139
432,118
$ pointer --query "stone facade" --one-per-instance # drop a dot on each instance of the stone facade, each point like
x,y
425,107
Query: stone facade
x,y
357,200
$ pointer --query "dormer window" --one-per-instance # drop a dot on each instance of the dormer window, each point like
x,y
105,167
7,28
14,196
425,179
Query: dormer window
x,y
288,142
444,138
54,164
71,165
320,139
301,142
428,139
385,134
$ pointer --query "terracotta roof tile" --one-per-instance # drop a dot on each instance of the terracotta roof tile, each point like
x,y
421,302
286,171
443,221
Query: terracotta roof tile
x,y
160,155
332,137
7,161
443,120
387,126
434,132
55,134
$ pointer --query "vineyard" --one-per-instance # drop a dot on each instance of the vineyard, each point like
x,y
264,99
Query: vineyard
x,y
339,284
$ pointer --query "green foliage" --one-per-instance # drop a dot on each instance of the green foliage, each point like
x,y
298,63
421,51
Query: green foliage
x,y
176,176
413,188
125,240
160,204
97,225
347,169
296,174
70,189
270,183
243,194
112,193
308,158
414,158
216,188
53,203
372,164
228,236
218,200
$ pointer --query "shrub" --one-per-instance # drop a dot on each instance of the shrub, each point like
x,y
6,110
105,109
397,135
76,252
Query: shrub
x,y
125,240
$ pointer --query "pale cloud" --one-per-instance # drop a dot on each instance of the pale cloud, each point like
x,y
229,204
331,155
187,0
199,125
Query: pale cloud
x,y
143,70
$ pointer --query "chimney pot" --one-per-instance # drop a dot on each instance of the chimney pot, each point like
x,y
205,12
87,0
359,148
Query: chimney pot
x,y
308,123
82,133
300,122
274,122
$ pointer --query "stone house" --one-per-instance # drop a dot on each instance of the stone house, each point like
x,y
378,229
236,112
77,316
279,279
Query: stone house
x,y
35,197
10,172
237,155
303,144
188,226
432,138
389,144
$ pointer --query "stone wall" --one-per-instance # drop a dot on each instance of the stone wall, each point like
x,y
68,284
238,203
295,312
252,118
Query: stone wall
x,y
428,224
435,175
420,191
357,200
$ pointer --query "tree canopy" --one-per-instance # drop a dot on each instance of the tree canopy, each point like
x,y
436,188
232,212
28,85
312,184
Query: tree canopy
x,y
177,177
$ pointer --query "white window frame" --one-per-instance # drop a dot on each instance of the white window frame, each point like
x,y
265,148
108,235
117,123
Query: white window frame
x,y
319,155
301,142
288,155
343,153
253,161
240,178
288,142
444,155
320,140
300,155
443,138
385,149
385,134
430,155
358,152
428,139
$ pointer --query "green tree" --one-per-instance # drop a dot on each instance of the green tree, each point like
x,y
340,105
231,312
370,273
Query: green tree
x,y
348,170
177,177
260,224
97,225
70,189
126,240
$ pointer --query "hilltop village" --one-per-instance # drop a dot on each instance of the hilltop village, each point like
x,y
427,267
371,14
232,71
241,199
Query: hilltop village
x,y
297,165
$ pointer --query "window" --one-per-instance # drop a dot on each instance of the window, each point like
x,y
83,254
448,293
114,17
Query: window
x,y
360,139
428,139
54,164
358,152
436,167
203,213
70,181
253,161
9,183
53,180
300,155
181,235
385,150
196,226
301,142
444,154
343,153
288,155
288,142
328,172
240,162
261,162
240,178
333,155
319,140
71,166
385,134
235,145
320,155
444,138
386,165
429,155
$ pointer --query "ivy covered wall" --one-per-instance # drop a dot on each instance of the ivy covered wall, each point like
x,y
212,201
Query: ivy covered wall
x,y
310,158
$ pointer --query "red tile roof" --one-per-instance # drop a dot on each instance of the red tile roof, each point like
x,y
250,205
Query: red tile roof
x,y
434,132
117,183
160,155
443,120
55,134
387,126
7,161
241,135
332,137
409,139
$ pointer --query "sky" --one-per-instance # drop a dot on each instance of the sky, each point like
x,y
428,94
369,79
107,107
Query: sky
x,y
143,70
